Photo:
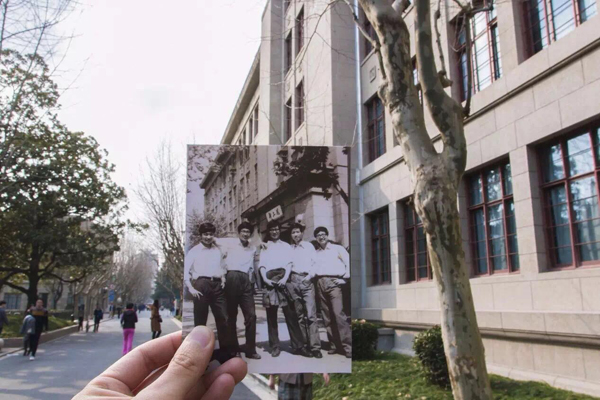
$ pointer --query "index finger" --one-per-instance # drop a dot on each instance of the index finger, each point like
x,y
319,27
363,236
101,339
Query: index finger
x,y
131,370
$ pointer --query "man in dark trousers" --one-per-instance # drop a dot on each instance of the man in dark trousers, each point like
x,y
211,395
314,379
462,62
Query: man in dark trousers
x,y
333,268
41,323
240,259
204,276
3,317
98,315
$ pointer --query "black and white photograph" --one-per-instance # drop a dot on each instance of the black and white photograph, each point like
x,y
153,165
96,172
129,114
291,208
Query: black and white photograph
x,y
267,262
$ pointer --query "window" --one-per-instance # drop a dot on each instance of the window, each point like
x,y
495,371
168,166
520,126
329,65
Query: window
x,y
255,122
492,221
299,104
13,301
570,171
549,20
287,133
418,267
485,51
380,248
371,32
288,53
251,128
300,32
376,128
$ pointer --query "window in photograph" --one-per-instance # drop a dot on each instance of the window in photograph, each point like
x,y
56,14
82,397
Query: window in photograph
x,y
255,122
287,133
299,32
380,248
570,171
376,128
418,267
493,231
299,104
288,53
485,51
549,20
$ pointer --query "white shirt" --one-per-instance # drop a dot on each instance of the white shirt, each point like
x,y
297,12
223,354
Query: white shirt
x,y
333,260
277,255
203,261
303,257
237,256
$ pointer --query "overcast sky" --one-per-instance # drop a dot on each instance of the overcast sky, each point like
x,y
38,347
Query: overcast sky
x,y
150,70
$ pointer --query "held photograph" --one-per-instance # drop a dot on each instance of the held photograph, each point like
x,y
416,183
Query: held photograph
x,y
267,263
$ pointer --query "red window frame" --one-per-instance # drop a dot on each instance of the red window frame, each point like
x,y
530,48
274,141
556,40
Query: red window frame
x,y
493,47
299,32
381,271
376,139
299,98
593,133
412,225
511,252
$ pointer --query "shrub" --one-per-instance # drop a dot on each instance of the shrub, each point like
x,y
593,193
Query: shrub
x,y
429,347
364,339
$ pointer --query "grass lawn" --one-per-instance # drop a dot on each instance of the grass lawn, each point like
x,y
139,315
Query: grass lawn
x,y
394,376
15,321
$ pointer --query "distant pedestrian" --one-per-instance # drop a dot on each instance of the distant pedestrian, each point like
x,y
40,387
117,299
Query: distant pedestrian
x,y
155,320
41,323
3,317
128,321
119,311
98,315
111,311
80,318
295,386
28,331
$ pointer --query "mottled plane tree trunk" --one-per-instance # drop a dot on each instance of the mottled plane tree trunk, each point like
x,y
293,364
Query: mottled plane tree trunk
x,y
436,176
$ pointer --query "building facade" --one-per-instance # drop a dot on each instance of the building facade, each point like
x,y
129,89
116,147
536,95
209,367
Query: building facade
x,y
529,197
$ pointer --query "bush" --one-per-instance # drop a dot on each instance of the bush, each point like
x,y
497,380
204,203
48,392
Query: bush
x,y
364,339
429,347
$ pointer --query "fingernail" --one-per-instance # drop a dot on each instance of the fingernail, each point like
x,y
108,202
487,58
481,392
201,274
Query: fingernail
x,y
200,334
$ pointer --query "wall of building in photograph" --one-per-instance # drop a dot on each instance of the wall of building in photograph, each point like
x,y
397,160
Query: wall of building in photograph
x,y
529,199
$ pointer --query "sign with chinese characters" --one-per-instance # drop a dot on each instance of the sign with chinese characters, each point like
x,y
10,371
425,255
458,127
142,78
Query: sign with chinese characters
x,y
274,213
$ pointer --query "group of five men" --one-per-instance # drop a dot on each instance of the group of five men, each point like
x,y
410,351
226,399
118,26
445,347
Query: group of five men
x,y
219,274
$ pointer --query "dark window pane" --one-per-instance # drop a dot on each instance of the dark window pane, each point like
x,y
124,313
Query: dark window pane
x,y
492,185
562,236
579,154
499,263
507,180
496,52
482,266
497,247
475,190
410,262
479,224
408,214
588,231
553,164
421,259
481,249
513,245
411,275
514,260
587,9
585,200
422,272
589,251
564,256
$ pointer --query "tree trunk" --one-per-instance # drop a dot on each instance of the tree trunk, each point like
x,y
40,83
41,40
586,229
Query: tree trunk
x,y
436,204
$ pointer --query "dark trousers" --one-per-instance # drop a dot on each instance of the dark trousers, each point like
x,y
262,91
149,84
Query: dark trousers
x,y
96,325
80,323
239,292
213,296
156,334
303,296
291,319
34,340
336,321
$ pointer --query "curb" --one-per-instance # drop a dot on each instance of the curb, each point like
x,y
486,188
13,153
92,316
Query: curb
x,y
264,382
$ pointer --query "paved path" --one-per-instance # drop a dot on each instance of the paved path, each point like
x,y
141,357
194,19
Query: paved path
x,y
64,366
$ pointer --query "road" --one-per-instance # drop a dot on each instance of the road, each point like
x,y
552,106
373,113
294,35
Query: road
x,y
64,366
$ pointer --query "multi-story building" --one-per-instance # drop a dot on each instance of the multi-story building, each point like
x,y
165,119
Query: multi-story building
x,y
529,199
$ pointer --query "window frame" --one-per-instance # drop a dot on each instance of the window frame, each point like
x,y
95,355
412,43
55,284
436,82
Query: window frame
x,y
300,31
576,262
288,53
485,205
380,274
299,110
287,133
412,232
373,138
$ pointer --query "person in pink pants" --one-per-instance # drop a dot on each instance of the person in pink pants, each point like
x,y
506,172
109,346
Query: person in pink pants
x,y
128,321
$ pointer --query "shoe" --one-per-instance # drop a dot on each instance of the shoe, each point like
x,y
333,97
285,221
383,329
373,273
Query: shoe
x,y
254,356
31,358
303,352
276,352
317,354
332,351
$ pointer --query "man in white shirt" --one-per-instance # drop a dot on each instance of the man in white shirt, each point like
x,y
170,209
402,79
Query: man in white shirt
x,y
333,270
275,268
240,259
302,289
204,277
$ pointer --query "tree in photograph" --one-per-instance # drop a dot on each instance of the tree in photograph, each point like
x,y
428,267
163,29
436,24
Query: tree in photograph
x,y
59,207
436,175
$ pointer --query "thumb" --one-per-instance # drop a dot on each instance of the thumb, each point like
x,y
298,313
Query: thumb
x,y
187,366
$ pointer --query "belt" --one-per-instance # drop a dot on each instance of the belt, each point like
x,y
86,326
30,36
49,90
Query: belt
x,y
210,278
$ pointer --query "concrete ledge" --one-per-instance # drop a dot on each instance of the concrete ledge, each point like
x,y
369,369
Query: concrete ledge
x,y
46,336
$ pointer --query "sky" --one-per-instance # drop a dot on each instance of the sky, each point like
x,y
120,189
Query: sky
x,y
140,72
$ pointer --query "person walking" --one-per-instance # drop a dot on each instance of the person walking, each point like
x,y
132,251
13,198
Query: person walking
x,y
155,320
240,259
275,268
98,316
119,312
333,268
128,321
41,323
3,317
80,318
302,289
27,330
